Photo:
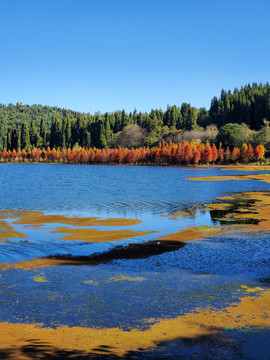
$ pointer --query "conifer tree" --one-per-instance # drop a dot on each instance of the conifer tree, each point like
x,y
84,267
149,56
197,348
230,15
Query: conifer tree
x,y
43,132
25,140
33,135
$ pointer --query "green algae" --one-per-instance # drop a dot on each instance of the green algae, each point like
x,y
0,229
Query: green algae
x,y
91,282
124,278
206,228
39,278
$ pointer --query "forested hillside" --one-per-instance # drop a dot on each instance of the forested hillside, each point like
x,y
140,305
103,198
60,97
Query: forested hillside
x,y
236,117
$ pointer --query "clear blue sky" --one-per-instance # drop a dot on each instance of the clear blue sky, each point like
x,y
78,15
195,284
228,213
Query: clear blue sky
x,y
126,54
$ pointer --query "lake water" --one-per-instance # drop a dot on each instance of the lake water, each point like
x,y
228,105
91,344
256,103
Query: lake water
x,y
171,283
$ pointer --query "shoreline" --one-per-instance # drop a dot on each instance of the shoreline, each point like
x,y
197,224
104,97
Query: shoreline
x,y
238,167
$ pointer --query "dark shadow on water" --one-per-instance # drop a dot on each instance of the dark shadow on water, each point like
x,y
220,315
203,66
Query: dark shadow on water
x,y
132,251
243,344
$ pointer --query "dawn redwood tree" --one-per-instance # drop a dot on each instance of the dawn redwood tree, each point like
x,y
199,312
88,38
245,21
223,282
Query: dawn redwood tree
x,y
250,152
188,154
23,154
227,155
197,156
259,152
244,150
69,155
13,154
207,154
43,154
221,153
120,155
37,155
214,153
235,154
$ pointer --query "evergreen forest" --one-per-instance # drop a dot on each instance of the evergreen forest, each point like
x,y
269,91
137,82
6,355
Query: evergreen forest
x,y
237,117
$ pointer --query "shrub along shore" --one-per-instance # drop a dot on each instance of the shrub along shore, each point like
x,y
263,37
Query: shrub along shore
x,y
184,153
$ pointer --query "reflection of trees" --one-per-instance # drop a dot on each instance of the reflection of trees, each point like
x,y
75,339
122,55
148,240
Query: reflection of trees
x,y
239,206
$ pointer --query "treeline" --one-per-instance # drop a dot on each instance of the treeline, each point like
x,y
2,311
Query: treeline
x,y
41,126
184,153
249,105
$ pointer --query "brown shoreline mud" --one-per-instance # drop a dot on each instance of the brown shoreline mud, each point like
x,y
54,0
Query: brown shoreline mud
x,y
200,322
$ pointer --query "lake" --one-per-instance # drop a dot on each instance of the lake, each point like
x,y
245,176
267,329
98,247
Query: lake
x,y
130,248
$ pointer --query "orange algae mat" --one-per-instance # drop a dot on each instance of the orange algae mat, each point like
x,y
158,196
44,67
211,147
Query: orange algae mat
x,y
7,231
94,235
81,233
260,177
38,218
250,311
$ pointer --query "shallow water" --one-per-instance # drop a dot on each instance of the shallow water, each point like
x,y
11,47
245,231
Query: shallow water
x,y
124,291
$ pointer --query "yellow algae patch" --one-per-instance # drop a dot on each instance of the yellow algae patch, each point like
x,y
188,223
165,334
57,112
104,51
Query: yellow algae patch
x,y
250,311
246,167
188,213
91,282
259,177
39,263
203,232
39,278
251,289
217,206
7,231
124,278
117,222
11,214
191,234
94,235
37,218
217,178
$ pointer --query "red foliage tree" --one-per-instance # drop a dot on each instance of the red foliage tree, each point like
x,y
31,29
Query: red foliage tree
x,y
235,154
207,153
250,152
214,153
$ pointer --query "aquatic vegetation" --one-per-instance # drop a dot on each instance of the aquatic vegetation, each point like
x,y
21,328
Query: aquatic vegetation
x,y
91,282
124,278
39,218
7,231
94,235
40,278
201,321
206,228
260,177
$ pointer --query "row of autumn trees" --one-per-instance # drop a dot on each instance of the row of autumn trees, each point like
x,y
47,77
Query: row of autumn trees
x,y
184,153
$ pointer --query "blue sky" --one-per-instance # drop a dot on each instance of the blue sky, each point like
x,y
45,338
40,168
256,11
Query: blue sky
x,y
126,54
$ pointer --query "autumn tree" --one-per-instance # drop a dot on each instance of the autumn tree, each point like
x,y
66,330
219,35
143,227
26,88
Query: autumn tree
x,y
259,152
250,152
